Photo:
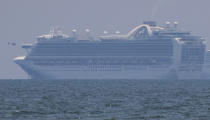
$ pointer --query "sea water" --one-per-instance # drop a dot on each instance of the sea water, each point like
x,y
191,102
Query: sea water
x,y
104,99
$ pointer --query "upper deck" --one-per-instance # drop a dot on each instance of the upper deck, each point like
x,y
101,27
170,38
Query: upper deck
x,y
147,39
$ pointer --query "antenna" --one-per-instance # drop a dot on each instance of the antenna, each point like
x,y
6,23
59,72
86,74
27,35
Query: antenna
x,y
52,31
156,7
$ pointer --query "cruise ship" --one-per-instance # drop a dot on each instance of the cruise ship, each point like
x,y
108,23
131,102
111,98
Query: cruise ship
x,y
148,51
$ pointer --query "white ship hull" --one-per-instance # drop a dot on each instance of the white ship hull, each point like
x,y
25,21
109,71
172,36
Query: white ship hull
x,y
103,72
189,75
93,71
66,74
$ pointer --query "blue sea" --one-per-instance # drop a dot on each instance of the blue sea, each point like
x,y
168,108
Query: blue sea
x,y
104,99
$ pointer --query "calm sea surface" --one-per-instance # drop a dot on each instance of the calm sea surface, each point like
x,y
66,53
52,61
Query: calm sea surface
x,y
104,100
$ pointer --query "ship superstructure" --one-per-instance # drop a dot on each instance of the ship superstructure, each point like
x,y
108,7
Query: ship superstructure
x,y
146,52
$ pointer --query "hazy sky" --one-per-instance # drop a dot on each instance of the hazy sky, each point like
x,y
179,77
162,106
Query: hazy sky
x,y
22,20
